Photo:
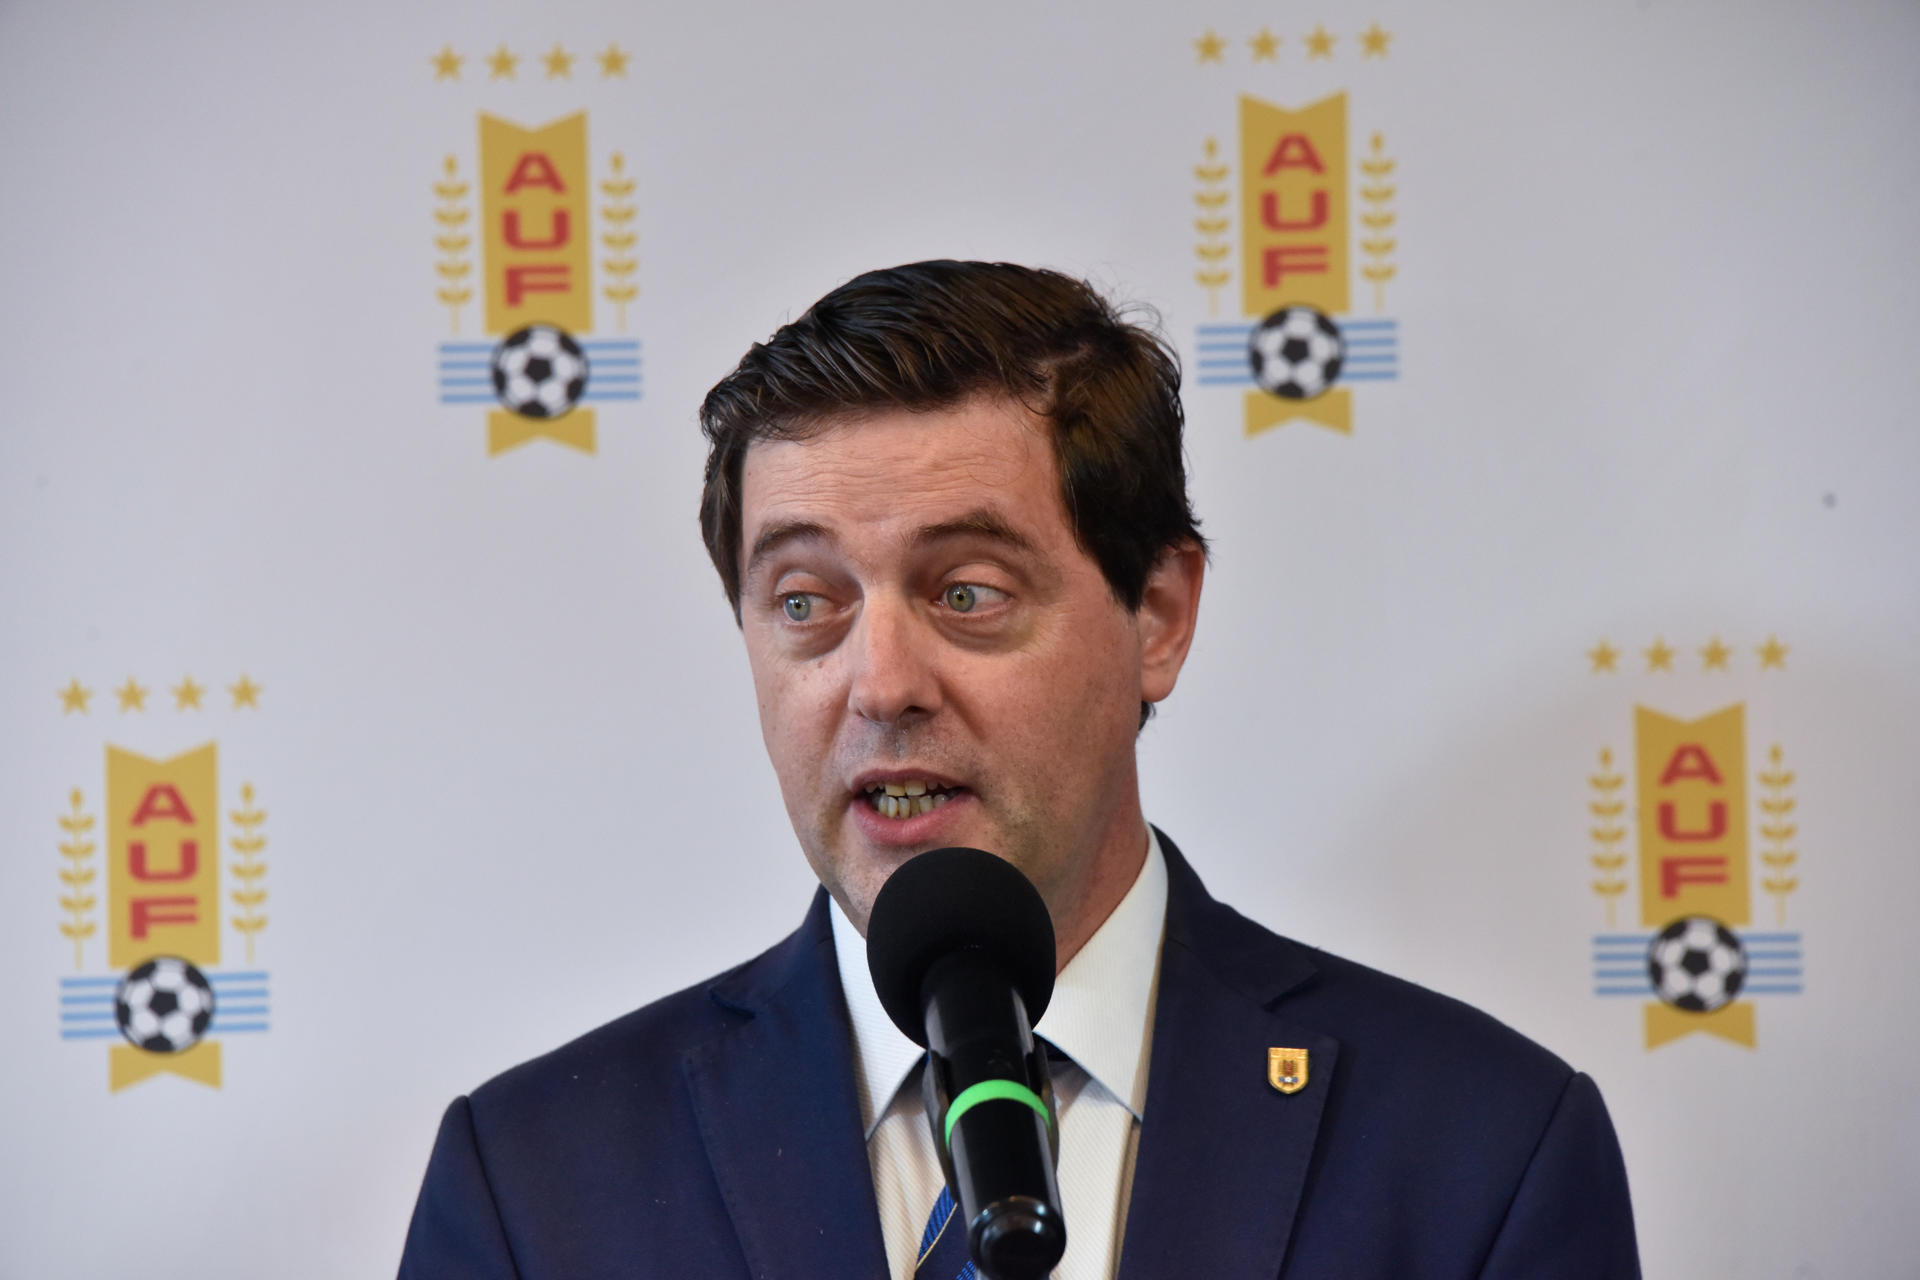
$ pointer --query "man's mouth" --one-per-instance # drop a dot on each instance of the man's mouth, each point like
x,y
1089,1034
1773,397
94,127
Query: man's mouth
x,y
906,798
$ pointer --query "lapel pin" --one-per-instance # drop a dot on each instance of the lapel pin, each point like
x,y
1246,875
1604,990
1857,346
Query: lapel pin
x,y
1287,1069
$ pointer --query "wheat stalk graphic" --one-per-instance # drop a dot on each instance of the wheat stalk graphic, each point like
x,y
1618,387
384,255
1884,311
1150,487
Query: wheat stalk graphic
x,y
618,239
1378,217
249,870
1608,833
78,901
1778,831
1210,221
452,241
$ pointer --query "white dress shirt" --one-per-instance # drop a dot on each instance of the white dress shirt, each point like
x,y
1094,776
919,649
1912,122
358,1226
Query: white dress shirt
x,y
1101,1017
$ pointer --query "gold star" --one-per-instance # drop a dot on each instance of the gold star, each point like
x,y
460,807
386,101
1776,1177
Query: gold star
x,y
1714,656
187,694
74,698
559,64
502,64
1660,657
446,64
1266,46
1373,41
1603,657
245,694
613,62
1320,44
1773,654
132,696
1210,46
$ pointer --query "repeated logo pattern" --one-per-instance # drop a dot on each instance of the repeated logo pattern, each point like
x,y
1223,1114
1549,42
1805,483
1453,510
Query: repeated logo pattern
x,y
554,294
1691,841
165,912
1304,221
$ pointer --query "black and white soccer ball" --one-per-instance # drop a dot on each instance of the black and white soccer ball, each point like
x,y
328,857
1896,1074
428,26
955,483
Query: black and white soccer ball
x,y
164,1005
539,371
1296,352
1697,964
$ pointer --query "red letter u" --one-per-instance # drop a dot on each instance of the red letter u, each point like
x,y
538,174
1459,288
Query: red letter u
x,y
189,862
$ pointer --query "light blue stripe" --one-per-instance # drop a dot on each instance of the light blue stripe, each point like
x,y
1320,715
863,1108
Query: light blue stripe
x,y
1763,939
1373,342
464,399
1621,991
1768,989
1619,975
1370,357
465,348
1618,957
89,1033
1217,347
238,975
1241,363
601,362
1369,375
598,379
244,993
597,396
466,382
88,982
1788,971
1773,955
105,997
243,1011
457,365
1367,324
1220,381
1622,939
87,1015
229,1028
611,344
1242,329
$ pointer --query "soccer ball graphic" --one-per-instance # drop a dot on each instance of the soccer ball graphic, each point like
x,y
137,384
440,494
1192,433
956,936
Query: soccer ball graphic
x,y
539,371
1697,964
1296,352
164,1005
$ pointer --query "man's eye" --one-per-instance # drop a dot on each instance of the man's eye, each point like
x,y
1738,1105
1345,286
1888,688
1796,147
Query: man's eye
x,y
965,597
798,607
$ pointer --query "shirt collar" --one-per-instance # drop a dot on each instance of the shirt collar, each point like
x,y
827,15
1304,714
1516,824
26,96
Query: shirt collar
x,y
1101,1013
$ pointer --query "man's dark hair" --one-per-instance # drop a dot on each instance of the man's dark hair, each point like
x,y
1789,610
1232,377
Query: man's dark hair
x,y
931,335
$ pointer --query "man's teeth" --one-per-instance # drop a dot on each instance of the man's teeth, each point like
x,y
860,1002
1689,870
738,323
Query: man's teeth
x,y
905,799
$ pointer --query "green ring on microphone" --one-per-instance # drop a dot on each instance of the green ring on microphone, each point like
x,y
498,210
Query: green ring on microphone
x,y
990,1091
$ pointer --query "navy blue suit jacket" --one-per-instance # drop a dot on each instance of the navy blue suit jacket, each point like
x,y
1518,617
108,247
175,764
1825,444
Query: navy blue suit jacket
x,y
717,1133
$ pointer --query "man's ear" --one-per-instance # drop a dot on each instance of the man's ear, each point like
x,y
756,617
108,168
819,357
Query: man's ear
x,y
1169,610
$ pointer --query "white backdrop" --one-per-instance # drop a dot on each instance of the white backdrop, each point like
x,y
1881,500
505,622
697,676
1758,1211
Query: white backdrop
x,y
1654,282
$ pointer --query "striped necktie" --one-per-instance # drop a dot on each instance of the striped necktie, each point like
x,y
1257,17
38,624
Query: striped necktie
x,y
943,1245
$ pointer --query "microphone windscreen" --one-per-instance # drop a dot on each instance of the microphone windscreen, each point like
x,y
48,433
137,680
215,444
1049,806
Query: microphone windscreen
x,y
950,900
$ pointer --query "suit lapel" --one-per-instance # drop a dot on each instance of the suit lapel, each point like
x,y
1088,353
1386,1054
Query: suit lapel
x,y
1212,1121
781,1122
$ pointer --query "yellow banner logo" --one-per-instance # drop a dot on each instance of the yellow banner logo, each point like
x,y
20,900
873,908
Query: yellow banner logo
x,y
1293,206
534,205
1692,790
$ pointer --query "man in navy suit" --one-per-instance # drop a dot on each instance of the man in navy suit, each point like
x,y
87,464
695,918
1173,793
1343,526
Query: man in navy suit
x,y
948,506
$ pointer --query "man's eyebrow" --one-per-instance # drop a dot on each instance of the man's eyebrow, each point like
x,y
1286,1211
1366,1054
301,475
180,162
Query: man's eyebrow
x,y
978,523
775,536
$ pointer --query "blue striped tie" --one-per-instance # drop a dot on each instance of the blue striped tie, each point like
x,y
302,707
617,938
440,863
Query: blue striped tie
x,y
943,1245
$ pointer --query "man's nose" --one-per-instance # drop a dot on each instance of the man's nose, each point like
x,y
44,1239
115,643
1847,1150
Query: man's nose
x,y
894,674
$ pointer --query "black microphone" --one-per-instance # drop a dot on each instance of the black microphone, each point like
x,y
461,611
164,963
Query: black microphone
x,y
961,949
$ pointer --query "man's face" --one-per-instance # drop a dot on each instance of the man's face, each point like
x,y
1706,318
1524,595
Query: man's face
x,y
936,660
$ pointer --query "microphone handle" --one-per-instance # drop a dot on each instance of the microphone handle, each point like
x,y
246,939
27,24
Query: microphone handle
x,y
990,1100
